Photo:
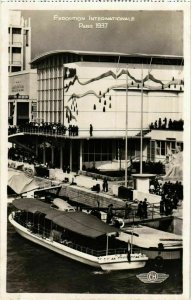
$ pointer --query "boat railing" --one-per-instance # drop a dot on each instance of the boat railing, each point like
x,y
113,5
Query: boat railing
x,y
40,230
93,252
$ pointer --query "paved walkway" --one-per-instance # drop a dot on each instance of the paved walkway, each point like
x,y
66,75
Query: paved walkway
x,y
83,187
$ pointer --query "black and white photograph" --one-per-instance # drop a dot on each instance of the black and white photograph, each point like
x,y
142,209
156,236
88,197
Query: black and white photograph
x,y
95,152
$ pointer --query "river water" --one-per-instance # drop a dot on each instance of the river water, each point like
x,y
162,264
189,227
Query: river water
x,y
34,269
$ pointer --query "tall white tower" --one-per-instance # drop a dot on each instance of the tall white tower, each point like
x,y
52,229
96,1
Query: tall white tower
x,y
19,42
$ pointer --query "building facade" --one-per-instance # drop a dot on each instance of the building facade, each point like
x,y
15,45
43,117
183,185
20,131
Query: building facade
x,y
119,94
19,47
22,99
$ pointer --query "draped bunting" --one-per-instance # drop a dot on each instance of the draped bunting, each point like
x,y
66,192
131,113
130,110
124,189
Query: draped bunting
x,y
135,83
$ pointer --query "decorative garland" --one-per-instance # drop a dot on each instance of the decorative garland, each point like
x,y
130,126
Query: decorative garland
x,y
136,83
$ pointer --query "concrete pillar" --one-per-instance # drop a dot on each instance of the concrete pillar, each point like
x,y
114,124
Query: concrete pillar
x,y
44,154
61,157
52,155
71,155
15,113
81,147
36,148
30,111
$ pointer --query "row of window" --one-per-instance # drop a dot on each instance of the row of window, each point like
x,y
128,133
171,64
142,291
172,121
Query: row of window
x,y
52,95
162,148
14,69
50,83
55,72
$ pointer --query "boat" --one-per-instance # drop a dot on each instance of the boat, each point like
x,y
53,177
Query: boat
x,y
74,234
62,205
154,243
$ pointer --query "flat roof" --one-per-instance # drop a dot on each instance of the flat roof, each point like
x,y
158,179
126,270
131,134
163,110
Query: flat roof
x,y
97,53
31,71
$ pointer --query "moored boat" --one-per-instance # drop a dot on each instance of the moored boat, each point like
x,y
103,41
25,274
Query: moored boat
x,y
156,244
76,235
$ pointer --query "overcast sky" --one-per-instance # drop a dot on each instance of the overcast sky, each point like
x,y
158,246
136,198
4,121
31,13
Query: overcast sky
x,y
151,32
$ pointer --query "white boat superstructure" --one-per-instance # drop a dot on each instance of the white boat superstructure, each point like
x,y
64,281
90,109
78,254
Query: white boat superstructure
x,y
76,235
153,242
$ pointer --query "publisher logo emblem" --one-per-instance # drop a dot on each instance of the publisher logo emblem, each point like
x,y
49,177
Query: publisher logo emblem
x,y
152,277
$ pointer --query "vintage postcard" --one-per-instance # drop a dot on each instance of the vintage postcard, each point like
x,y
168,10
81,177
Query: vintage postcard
x,y
95,150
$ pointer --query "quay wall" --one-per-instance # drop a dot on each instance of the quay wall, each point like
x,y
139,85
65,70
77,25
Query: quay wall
x,y
169,224
89,198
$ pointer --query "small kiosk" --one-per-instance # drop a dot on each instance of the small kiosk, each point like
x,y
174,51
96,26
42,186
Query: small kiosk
x,y
141,188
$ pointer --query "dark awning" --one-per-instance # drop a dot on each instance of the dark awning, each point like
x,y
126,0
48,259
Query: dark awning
x,y
31,205
83,224
79,222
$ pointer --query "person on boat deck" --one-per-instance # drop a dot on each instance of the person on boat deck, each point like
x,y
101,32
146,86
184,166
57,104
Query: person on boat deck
x,y
109,213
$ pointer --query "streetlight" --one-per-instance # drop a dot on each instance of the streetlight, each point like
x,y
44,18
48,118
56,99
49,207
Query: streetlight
x,y
126,125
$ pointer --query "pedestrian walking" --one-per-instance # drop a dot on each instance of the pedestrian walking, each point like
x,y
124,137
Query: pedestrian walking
x,y
68,170
162,207
103,185
91,129
140,210
106,185
109,213
145,208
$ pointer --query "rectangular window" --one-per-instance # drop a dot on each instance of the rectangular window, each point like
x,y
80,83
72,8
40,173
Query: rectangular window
x,y
180,146
160,148
16,30
16,50
163,152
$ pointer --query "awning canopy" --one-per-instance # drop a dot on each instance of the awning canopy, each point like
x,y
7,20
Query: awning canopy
x,y
31,205
78,222
83,224
20,183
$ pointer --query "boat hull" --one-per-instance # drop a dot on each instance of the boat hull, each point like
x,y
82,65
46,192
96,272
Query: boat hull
x,y
171,254
54,246
106,263
124,264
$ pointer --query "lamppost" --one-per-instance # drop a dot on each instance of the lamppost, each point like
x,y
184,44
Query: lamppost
x,y
141,141
126,125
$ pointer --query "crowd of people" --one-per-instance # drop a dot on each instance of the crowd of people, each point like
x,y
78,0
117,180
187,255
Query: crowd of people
x,y
142,209
166,188
168,125
13,130
44,127
170,194
73,130
19,154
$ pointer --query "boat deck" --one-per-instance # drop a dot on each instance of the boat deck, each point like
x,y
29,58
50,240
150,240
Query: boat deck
x,y
148,237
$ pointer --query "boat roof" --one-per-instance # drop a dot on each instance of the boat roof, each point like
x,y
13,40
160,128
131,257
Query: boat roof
x,y
78,222
31,205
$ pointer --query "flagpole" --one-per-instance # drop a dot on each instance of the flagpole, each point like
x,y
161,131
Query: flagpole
x,y
141,142
126,126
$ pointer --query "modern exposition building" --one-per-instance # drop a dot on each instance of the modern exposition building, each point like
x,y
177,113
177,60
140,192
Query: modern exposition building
x,y
140,96
22,80
19,47
22,98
